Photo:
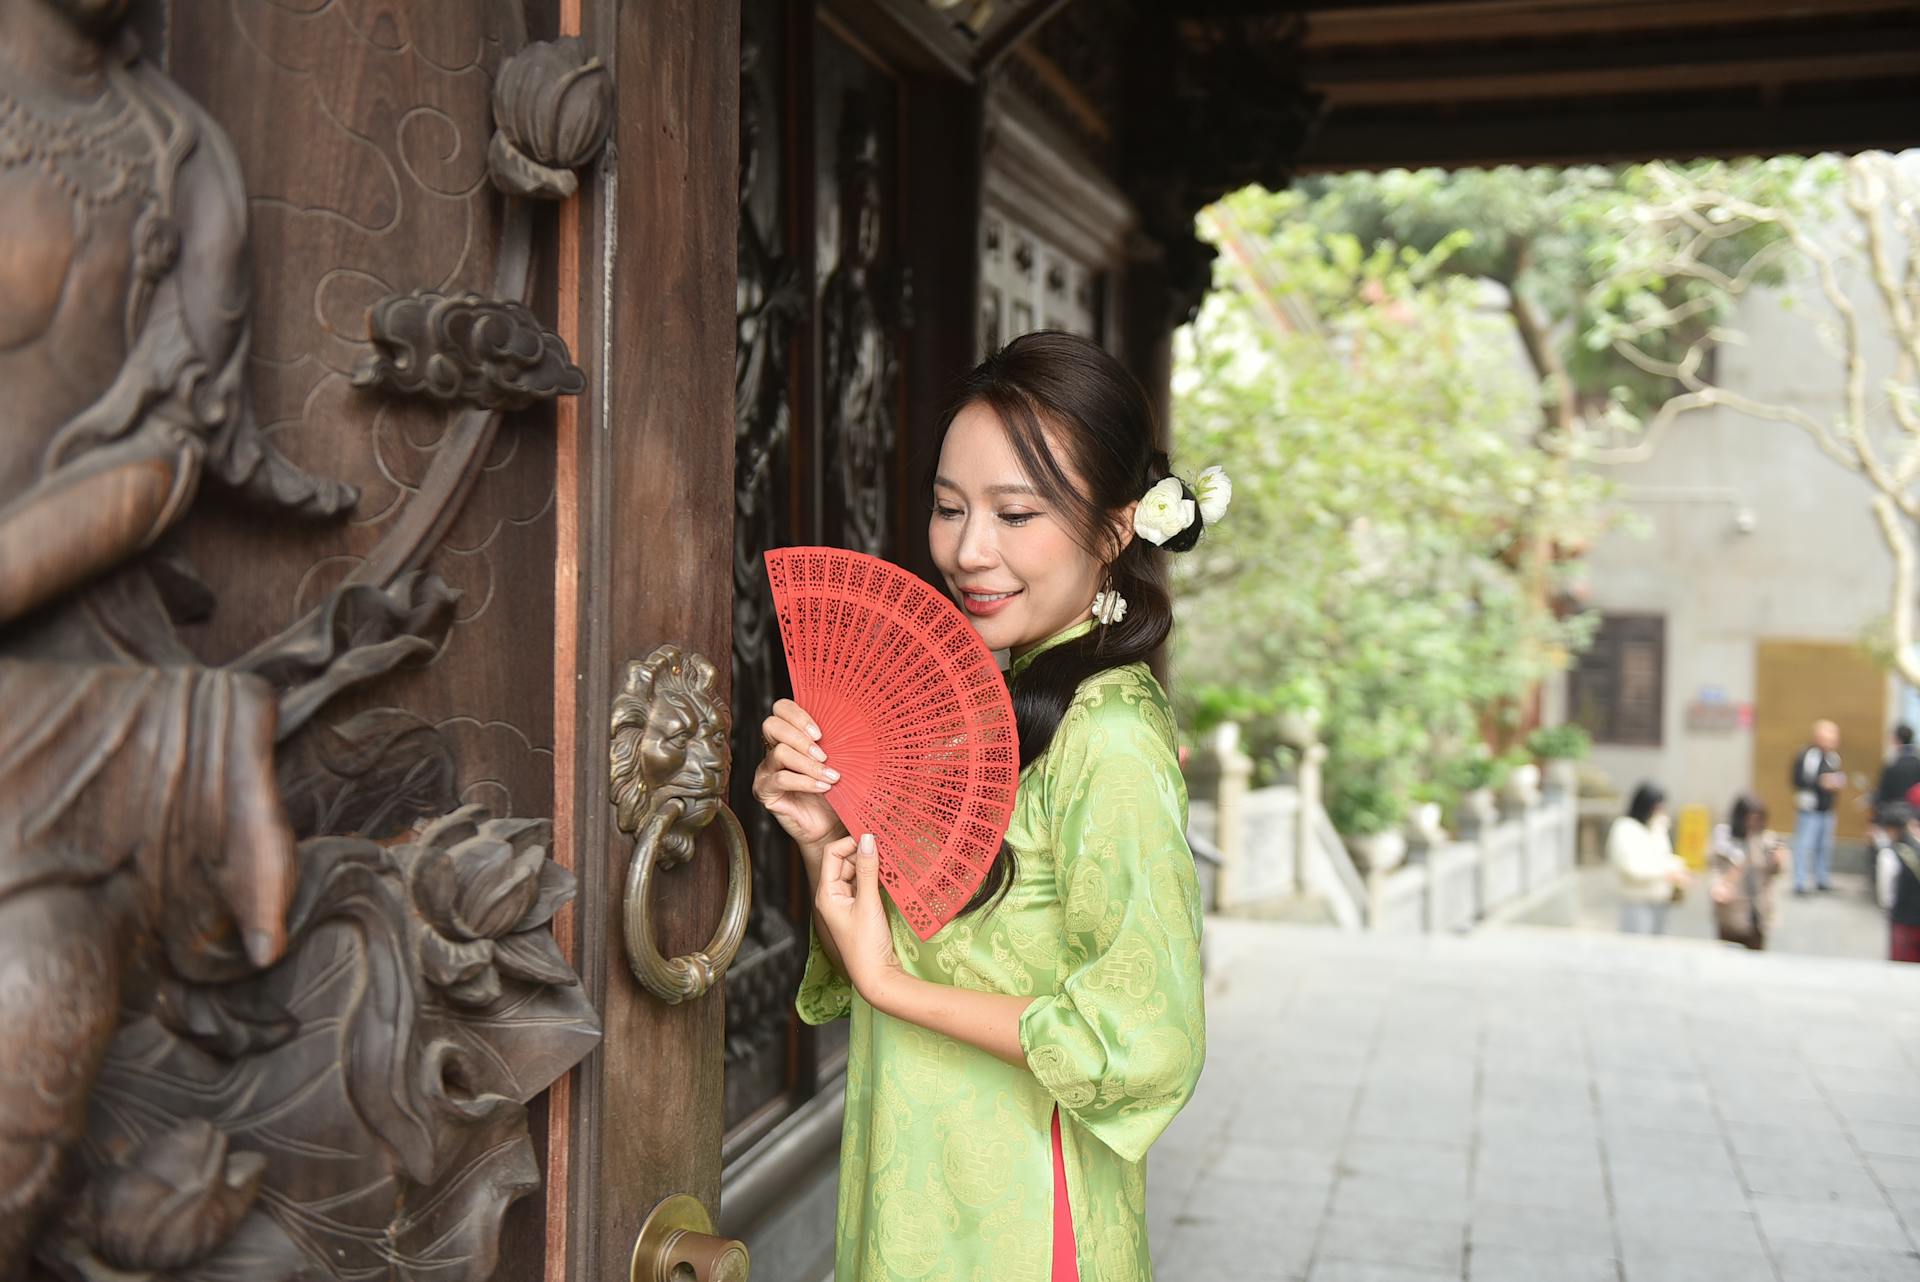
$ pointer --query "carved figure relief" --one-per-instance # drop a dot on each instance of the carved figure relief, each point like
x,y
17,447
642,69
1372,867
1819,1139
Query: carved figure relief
x,y
859,361
172,966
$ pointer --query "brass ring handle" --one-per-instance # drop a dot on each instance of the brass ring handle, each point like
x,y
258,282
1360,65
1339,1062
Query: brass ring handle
x,y
678,979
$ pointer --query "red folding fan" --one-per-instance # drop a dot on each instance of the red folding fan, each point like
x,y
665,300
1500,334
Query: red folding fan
x,y
912,713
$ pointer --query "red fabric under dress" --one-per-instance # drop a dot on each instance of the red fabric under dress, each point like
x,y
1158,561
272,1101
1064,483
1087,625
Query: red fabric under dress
x,y
1903,947
1065,1267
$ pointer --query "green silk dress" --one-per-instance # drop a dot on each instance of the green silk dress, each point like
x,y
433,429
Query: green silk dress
x,y
946,1162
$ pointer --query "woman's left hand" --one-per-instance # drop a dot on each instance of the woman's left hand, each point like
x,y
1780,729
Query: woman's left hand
x,y
848,902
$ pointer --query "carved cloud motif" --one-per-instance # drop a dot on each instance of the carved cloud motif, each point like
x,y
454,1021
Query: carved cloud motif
x,y
493,354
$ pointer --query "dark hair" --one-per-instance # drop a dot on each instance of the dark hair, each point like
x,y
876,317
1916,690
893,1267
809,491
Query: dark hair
x,y
1749,815
1903,735
1646,799
1104,430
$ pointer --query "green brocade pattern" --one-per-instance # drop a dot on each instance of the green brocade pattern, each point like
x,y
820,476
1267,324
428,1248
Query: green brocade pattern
x,y
946,1160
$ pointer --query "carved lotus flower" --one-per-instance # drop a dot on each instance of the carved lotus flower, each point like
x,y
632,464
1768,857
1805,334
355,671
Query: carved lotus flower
x,y
485,889
552,106
175,1200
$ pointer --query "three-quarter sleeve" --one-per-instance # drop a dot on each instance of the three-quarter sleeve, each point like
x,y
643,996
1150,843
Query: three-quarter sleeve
x,y
1120,1044
825,994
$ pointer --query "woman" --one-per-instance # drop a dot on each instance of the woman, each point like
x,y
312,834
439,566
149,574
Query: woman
x,y
1746,859
1005,1078
1642,857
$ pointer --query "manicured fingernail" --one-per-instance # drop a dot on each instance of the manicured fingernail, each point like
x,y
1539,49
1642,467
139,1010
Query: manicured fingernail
x,y
817,754
833,775
822,784
866,843
814,731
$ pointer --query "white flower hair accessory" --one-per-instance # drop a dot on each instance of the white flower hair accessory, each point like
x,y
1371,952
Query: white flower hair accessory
x,y
1164,511
1213,491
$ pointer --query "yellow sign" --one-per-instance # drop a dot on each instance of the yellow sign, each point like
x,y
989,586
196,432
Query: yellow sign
x,y
1691,832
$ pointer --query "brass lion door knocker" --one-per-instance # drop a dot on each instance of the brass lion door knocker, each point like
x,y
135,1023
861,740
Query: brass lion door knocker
x,y
670,753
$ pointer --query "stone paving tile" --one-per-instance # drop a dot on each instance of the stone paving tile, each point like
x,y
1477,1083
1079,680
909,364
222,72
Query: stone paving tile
x,y
1869,1081
1806,1262
1217,1199
1376,1238
1586,1230
1285,1163
1895,1172
1858,1108
1798,1220
1889,1141
1442,1199
1555,1127
1560,1187
1812,1143
1365,1271
1669,1116
1636,1187
1406,1159
1503,1264
1630,1146
1666,1261
1906,1204
1198,1253
1548,1103
1846,1183
1687,1228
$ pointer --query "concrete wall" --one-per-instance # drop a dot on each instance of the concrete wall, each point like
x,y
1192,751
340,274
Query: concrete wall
x,y
1750,532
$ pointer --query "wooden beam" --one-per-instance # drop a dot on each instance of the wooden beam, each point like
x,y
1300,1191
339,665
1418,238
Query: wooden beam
x,y
1013,32
1458,22
1472,61
1614,133
1609,81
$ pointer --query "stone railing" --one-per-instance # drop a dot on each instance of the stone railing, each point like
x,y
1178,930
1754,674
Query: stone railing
x,y
1279,855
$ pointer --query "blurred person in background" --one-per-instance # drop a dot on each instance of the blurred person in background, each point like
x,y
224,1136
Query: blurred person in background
x,y
1897,777
1746,857
1817,780
1903,914
1640,849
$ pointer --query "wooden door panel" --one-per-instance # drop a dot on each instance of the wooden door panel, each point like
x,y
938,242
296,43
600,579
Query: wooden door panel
x,y
1797,683
317,693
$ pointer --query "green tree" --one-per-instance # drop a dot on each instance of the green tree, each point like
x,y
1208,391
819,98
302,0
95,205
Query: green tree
x,y
1389,506
1550,238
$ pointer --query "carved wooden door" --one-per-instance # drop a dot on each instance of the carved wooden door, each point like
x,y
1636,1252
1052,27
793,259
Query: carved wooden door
x,y
365,593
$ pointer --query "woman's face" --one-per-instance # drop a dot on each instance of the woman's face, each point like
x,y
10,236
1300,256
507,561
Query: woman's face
x,y
1009,558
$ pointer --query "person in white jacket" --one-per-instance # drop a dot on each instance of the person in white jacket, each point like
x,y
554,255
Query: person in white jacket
x,y
1641,852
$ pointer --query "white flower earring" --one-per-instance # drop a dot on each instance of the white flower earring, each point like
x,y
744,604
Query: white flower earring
x,y
1108,605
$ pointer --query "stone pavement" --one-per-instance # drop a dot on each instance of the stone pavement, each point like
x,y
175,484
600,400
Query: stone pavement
x,y
1538,1105
1845,923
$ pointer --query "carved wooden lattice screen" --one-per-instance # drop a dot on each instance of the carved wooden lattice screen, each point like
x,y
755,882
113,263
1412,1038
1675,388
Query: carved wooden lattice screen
x,y
817,402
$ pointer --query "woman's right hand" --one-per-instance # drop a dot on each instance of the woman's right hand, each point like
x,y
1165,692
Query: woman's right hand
x,y
792,781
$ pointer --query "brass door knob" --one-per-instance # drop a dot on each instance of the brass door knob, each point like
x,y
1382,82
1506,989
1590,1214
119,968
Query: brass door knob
x,y
677,1244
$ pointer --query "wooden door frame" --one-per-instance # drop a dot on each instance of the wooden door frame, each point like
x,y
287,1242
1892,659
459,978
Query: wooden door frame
x,y
643,560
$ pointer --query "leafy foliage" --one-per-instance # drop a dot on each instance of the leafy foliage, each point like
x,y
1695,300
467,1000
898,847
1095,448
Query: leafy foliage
x,y
1390,541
